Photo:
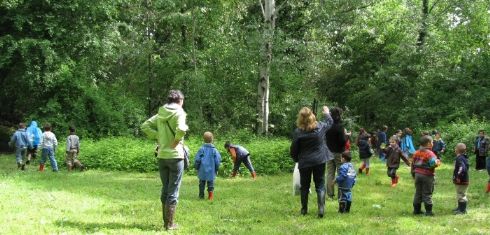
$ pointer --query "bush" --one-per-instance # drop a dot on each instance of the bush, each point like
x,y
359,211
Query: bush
x,y
269,156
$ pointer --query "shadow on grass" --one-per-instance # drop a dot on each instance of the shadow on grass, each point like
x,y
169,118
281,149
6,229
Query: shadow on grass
x,y
94,227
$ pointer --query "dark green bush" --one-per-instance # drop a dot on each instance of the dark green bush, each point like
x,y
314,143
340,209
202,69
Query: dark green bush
x,y
269,156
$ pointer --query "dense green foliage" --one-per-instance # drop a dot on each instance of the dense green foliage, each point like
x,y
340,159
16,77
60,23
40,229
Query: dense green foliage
x,y
269,156
99,202
105,66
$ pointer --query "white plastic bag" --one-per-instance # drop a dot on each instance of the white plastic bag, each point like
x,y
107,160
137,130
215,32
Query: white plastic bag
x,y
296,181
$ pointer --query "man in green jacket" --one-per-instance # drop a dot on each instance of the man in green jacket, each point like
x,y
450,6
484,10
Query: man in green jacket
x,y
168,127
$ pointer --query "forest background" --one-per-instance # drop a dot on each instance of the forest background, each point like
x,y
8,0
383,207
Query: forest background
x,y
105,66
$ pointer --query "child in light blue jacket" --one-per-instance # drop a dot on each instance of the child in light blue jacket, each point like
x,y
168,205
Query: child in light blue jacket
x,y
21,142
346,179
207,163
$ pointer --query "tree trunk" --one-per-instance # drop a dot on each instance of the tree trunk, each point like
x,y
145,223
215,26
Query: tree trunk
x,y
423,28
268,10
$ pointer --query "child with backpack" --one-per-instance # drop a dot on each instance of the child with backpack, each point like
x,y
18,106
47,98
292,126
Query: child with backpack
x,y
393,156
207,163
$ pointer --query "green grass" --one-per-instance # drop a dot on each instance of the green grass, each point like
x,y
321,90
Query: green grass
x,y
101,202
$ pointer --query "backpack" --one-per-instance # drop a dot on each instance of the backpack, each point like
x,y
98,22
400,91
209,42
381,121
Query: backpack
x,y
335,138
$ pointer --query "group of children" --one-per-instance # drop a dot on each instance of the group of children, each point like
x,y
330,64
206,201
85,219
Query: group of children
x,y
422,162
27,141
208,160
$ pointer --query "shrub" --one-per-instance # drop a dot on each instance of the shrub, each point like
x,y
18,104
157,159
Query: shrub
x,y
269,156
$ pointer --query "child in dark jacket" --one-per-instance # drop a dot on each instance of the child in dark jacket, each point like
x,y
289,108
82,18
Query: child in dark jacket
x,y
461,178
346,179
207,164
365,152
394,154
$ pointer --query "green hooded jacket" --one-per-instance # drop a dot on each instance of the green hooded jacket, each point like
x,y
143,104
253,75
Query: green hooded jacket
x,y
157,128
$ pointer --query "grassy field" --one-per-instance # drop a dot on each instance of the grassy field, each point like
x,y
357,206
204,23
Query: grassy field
x,y
99,202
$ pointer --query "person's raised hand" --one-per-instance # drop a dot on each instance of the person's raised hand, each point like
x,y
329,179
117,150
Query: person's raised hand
x,y
326,110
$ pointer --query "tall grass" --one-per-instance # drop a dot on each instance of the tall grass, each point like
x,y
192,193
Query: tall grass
x,y
101,202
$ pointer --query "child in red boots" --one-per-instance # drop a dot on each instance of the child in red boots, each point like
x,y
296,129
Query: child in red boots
x,y
207,162
393,156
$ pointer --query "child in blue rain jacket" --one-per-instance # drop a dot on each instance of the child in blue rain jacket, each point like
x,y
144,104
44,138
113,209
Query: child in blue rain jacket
x,y
207,163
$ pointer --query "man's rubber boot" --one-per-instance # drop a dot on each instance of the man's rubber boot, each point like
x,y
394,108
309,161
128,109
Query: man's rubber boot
x,y
321,203
304,202
164,215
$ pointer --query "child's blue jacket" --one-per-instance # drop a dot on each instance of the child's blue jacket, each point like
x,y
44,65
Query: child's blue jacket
x,y
207,162
20,139
346,177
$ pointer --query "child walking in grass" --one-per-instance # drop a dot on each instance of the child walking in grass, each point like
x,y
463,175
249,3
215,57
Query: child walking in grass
x,y
207,163
407,142
240,154
346,179
72,151
394,154
48,146
461,178
424,163
365,152
21,142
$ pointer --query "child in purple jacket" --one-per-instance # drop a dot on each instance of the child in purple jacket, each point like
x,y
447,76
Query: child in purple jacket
x,y
207,163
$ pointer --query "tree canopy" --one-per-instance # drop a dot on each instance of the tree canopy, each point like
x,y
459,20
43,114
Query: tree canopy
x,y
104,66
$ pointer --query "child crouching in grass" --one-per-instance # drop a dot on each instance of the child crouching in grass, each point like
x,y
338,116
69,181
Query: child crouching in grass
x,y
346,179
207,162
461,178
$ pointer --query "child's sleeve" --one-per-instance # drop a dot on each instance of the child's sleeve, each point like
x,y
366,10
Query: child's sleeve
x,y
342,175
404,157
217,159
198,158
68,144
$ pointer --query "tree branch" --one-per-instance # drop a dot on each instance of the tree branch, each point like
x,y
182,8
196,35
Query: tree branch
x,y
358,8
433,5
262,7
281,6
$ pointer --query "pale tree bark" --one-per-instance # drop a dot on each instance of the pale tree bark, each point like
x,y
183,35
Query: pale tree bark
x,y
269,13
